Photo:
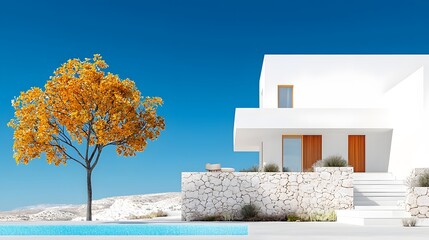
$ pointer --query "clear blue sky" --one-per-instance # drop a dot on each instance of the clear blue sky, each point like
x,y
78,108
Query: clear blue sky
x,y
202,57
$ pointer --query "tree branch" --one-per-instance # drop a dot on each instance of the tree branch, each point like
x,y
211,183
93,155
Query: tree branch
x,y
93,153
73,159
100,148
71,145
88,138
70,157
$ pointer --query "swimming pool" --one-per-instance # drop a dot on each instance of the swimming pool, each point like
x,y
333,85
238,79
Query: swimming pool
x,y
124,229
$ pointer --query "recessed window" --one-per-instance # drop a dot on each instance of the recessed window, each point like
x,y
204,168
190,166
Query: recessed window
x,y
285,93
292,153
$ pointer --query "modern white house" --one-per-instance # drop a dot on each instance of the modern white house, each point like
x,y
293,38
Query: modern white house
x,y
373,110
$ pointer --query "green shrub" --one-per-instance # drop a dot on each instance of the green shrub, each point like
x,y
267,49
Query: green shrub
x,y
270,218
423,179
251,169
291,217
249,211
330,216
331,161
209,218
335,161
271,168
313,217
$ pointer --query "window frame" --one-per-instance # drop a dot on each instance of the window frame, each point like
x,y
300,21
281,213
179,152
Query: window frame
x,y
292,136
278,94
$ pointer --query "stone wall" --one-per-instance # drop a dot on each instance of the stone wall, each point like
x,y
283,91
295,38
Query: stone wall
x,y
417,200
215,193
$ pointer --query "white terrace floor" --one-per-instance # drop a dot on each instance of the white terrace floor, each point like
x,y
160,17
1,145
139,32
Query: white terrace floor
x,y
282,230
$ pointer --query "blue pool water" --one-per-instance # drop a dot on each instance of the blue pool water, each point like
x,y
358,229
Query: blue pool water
x,y
125,229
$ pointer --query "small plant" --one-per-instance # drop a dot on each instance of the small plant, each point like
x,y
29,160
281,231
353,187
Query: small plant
x,y
409,222
411,181
330,216
293,218
318,163
251,169
161,213
331,161
286,169
227,216
423,179
158,213
271,168
271,218
413,222
419,180
209,218
335,161
249,211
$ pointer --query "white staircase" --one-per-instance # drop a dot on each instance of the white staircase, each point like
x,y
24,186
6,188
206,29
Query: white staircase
x,y
378,200
378,189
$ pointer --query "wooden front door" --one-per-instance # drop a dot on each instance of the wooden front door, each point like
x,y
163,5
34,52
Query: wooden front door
x,y
311,150
357,152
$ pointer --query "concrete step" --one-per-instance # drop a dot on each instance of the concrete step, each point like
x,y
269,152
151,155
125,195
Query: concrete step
x,y
363,188
378,182
373,214
377,199
367,215
373,176
379,194
378,189
385,193
371,221
380,208
378,185
377,203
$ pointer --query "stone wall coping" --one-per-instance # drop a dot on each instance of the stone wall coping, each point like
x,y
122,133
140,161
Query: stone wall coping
x,y
317,169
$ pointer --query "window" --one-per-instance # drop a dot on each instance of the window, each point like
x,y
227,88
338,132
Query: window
x,y
285,93
292,153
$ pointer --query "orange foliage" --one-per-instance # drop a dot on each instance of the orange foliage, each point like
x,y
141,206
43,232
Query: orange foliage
x,y
82,105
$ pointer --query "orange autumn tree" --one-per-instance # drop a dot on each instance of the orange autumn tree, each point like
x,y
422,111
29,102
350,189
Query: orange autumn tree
x,y
81,111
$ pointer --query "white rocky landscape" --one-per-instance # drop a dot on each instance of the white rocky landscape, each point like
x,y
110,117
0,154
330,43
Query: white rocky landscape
x,y
134,207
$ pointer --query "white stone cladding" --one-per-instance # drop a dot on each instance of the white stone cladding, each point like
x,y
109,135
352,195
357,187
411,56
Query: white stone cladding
x,y
417,201
216,193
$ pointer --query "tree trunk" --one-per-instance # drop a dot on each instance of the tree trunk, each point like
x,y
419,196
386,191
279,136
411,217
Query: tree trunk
x,y
89,201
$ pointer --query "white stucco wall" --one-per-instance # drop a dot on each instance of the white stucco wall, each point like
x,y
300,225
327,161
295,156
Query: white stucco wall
x,y
377,151
405,100
262,87
272,152
336,81
335,144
